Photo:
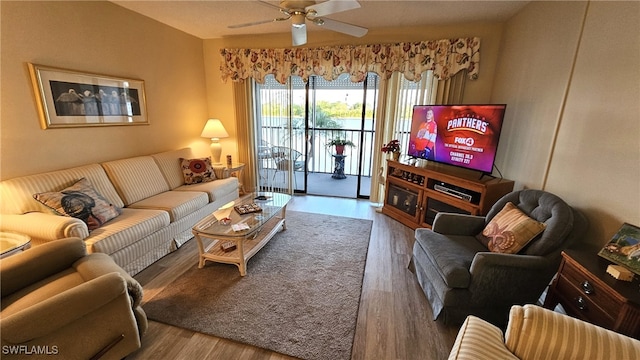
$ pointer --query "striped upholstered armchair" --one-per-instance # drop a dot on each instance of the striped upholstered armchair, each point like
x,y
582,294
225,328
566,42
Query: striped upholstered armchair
x,y
536,333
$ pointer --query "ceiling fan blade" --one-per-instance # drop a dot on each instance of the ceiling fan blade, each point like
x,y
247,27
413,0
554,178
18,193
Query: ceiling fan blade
x,y
342,27
299,35
264,3
251,23
333,6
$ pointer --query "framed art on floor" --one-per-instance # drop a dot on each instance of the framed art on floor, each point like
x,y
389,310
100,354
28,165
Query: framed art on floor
x,y
67,98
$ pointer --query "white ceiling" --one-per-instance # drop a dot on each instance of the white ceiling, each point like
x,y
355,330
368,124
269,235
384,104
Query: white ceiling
x,y
209,19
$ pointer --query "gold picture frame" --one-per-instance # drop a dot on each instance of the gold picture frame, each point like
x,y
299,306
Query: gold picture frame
x,y
624,248
68,98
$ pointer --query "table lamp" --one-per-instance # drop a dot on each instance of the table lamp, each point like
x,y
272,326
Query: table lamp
x,y
215,131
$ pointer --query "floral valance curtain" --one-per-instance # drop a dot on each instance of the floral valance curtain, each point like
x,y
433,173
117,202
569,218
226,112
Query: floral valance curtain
x,y
444,57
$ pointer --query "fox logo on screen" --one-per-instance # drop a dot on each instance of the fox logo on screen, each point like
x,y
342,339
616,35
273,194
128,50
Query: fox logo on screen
x,y
464,141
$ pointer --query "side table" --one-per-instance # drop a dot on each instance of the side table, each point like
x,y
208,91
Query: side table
x,y
13,243
586,291
236,170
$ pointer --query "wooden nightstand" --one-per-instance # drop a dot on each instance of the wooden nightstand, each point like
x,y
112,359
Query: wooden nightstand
x,y
587,292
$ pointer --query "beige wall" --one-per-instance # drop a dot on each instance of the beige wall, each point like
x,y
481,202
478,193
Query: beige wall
x,y
572,124
581,89
220,95
96,37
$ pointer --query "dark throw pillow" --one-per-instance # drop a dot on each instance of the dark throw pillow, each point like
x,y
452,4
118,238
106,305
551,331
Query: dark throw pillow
x,y
80,201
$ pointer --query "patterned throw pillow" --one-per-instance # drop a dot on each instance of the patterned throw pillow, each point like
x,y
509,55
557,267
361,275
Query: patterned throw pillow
x,y
80,201
197,171
510,230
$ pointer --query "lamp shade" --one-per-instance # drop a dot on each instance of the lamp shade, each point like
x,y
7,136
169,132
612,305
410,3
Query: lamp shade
x,y
214,129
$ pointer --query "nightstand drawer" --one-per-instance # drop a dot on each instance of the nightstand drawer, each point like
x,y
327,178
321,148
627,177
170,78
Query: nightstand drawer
x,y
590,288
584,306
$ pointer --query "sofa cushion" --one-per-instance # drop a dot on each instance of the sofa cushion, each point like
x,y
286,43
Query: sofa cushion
x,y
136,178
80,201
451,254
196,171
510,230
131,226
171,167
17,193
177,203
215,189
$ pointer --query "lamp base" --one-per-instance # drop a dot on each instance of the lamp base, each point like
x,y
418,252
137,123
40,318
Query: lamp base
x,y
216,152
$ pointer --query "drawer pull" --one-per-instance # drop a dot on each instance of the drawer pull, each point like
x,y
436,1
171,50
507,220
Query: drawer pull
x,y
582,303
587,288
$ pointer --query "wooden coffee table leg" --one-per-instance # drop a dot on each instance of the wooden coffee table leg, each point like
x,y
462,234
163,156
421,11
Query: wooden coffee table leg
x,y
200,251
284,217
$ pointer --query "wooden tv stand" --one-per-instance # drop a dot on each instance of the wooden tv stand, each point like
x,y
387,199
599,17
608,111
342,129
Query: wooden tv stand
x,y
414,195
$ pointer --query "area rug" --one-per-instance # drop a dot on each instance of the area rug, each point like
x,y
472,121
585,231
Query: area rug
x,y
300,296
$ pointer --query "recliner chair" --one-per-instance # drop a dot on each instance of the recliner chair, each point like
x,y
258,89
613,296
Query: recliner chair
x,y
61,302
461,277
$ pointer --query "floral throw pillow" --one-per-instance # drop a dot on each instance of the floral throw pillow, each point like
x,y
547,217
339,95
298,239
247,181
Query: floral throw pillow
x,y
510,230
197,171
80,201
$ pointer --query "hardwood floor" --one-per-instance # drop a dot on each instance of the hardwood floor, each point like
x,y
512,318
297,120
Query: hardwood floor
x,y
394,320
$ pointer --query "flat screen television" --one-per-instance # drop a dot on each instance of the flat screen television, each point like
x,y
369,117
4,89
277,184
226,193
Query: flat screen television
x,y
460,135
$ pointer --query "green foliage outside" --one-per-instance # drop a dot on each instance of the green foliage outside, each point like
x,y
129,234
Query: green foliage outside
x,y
324,110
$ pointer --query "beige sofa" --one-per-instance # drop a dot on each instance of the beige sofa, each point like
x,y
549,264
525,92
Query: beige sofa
x,y
158,209
535,333
60,303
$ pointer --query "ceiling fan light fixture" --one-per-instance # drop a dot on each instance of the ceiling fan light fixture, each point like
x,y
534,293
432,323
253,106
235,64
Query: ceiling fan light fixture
x,y
297,19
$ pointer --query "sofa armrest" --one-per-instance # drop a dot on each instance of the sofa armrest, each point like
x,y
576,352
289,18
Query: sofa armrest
x,y
490,261
458,224
479,340
62,309
44,226
40,262
95,265
221,171
521,278
537,333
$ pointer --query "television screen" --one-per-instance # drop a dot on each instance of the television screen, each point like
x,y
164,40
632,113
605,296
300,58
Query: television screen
x,y
460,135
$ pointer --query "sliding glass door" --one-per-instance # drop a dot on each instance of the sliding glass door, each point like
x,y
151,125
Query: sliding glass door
x,y
296,121
280,123
341,110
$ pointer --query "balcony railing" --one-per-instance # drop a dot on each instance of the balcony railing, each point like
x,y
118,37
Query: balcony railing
x,y
318,156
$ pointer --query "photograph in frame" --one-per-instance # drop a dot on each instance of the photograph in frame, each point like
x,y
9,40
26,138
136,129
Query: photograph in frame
x,y
624,248
67,98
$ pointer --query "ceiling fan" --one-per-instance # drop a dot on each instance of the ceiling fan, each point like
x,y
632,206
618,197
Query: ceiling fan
x,y
299,11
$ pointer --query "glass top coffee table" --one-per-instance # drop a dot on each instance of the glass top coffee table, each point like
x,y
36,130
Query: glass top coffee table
x,y
235,241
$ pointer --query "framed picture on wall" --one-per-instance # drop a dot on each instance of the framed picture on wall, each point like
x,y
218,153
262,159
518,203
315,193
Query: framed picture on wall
x,y
624,248
67,98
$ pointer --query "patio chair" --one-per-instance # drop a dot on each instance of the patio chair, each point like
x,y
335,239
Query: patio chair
x,y
263,154
287,159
